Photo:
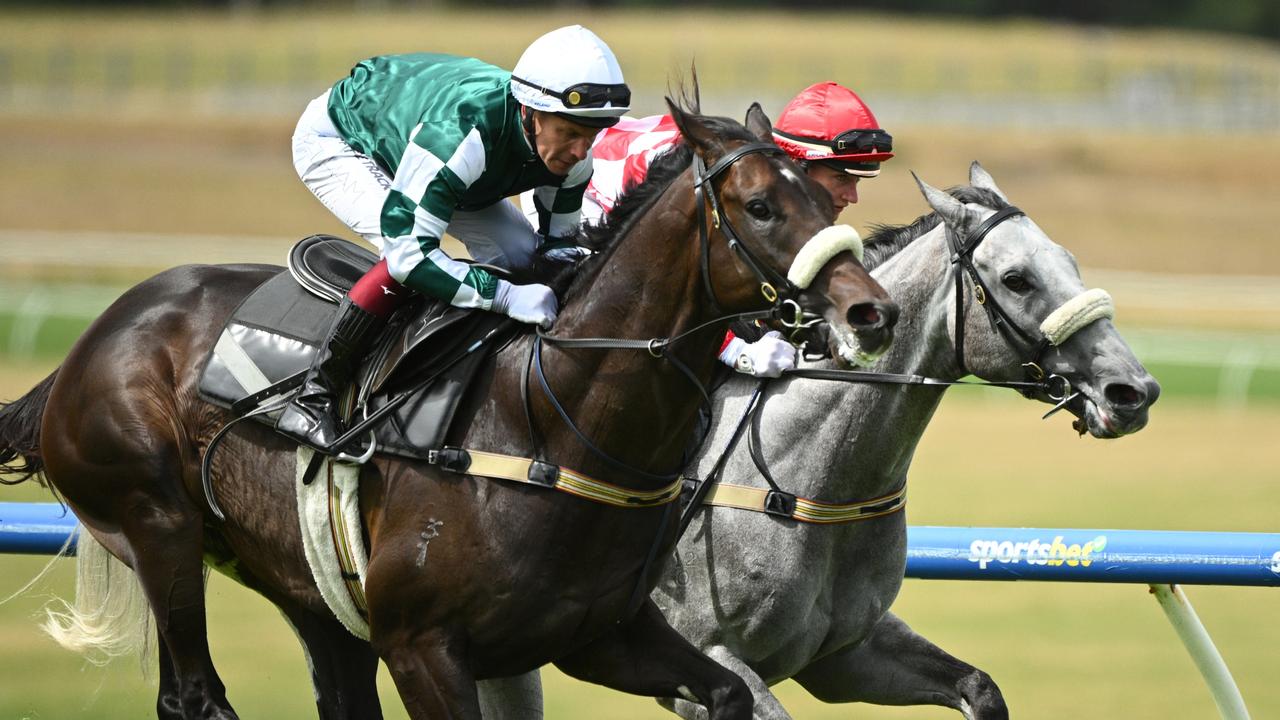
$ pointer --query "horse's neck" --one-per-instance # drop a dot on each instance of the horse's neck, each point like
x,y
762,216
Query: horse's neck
x,y
648,287
859,438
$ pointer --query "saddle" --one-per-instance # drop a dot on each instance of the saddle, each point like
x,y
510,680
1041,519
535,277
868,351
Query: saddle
x,y
268,343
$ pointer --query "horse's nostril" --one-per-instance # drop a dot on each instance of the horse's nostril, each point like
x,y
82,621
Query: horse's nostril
x,y
1121,395
863,314
870,315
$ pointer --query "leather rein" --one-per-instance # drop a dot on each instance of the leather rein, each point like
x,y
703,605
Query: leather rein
x,y
774,287
770,281
776,501
1056,387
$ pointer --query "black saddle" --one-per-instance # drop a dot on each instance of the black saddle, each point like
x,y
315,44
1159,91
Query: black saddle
x,y
267,345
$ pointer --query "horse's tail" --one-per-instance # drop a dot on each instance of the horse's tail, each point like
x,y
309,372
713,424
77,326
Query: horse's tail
x,y
20,433
109,617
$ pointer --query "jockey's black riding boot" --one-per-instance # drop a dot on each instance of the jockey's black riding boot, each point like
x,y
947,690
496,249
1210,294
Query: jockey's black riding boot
x,y
311,417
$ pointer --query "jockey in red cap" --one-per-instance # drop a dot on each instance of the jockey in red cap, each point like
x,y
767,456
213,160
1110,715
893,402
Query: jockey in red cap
x,y
827,129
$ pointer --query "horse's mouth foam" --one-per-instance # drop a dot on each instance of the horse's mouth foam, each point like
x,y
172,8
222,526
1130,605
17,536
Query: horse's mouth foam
x,y
1092,419
848,349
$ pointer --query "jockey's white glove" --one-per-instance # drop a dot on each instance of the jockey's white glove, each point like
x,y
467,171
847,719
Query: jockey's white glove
x,y
534,304
767,357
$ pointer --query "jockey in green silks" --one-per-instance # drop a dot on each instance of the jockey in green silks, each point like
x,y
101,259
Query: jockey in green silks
x,y
409,146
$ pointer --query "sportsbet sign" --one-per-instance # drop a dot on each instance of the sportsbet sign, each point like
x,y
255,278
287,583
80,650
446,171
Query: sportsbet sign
x,y
1093,555
1053,552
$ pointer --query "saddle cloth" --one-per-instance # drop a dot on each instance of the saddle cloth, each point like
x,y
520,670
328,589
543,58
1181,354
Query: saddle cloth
x,y
268,343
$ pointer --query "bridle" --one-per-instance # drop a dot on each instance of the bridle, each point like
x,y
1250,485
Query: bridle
x,y
1030,347
774,286
1069,317
1059,325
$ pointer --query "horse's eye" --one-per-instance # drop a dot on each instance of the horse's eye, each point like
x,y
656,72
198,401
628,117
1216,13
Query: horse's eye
x,y
759,210
1015,282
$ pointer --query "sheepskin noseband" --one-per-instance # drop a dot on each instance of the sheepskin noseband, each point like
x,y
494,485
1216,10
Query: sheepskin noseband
x,y
828,243
1076,313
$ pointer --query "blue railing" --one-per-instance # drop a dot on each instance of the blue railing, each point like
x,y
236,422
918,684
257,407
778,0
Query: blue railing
x,y
1161,559
934,553
35,528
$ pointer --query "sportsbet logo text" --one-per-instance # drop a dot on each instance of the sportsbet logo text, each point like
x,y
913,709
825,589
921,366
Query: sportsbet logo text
x,y
1035,552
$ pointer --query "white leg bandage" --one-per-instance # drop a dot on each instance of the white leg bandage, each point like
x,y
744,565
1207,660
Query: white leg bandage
x,y
816,253
1077,312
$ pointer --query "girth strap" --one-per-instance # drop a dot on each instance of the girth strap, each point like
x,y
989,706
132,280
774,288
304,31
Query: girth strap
x,y
775,502
542,474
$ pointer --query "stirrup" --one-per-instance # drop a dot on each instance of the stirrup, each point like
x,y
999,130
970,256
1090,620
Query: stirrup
x,y
361,458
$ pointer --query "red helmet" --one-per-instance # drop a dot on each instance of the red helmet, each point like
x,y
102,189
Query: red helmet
x,y
828,123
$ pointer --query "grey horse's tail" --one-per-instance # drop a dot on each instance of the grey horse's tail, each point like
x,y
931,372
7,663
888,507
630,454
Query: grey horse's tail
x,y
20,420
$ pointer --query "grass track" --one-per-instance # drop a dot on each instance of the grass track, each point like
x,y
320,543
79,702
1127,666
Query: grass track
x,y
1058,650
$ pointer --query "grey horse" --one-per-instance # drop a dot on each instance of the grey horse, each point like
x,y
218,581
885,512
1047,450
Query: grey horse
x,y
772,598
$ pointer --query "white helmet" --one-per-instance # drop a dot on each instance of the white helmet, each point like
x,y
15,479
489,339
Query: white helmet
x,y
570,71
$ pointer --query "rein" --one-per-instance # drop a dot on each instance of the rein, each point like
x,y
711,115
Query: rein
x,y
784,307
1048,386
770,280
1071,316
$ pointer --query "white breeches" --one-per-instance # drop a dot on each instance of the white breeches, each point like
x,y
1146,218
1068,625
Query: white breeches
x,y
354,189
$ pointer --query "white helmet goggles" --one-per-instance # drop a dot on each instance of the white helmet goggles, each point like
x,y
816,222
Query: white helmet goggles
x,y
571,71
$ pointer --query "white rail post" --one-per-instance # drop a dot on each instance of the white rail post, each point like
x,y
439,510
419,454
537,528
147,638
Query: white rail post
x,y
1206,656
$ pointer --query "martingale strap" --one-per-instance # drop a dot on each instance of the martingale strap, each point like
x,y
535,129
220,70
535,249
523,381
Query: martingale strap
x,y
803,509
543,474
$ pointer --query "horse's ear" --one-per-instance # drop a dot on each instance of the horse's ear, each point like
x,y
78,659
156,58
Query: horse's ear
x,y
758,123
948,208
980,178
691,127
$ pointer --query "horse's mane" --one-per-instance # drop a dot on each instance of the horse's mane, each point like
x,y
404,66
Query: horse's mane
x,y
885,241
635,201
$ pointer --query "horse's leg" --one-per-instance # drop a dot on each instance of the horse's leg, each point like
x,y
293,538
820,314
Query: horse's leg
x,y
430,673
645,656
168,703
767,706
168,560
896,666
512,698
159,531
344,669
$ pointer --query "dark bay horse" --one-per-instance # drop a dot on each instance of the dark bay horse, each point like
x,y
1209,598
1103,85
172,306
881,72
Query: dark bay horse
x,y
514,576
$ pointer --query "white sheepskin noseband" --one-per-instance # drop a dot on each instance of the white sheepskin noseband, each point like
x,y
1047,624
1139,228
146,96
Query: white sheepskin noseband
x,y
828,243
1077,312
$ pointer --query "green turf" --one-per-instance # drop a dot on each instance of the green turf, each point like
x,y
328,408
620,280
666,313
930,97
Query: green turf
x,y
1057,650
